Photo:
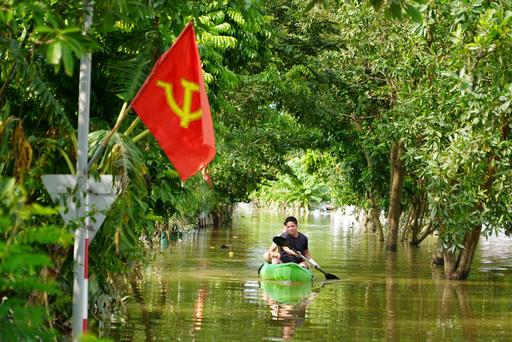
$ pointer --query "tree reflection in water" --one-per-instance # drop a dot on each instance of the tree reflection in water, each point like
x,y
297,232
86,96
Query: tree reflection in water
x,y
197,320
289,315
392,331
455,304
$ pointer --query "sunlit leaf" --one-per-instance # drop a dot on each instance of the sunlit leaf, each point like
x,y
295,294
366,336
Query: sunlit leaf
x,y
54,52
413,12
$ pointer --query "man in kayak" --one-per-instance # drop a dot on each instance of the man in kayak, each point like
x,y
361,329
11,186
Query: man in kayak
x,y
296,241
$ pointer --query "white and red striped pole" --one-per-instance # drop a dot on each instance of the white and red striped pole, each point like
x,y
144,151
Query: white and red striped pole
x,y
80,278
86,283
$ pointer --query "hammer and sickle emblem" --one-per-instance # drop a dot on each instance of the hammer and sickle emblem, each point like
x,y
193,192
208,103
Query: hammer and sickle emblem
x,y
185,111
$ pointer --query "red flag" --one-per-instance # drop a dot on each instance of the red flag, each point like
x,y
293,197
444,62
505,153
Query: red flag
x,y
173,104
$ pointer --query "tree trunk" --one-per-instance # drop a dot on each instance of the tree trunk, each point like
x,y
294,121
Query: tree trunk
x,y
216,220
416,238
397,176
375,217
450,263
363,219
459,269
406,227
415,222
426,232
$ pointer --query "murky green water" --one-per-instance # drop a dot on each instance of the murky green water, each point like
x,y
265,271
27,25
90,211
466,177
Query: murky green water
x,y
195,291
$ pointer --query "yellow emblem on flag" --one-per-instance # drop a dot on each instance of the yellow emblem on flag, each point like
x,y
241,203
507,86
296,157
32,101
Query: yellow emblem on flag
x,y
185,111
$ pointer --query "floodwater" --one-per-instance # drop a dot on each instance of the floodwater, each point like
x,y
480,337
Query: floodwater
x,y
196,291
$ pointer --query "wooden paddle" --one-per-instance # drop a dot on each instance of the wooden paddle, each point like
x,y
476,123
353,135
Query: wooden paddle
x,y
281,242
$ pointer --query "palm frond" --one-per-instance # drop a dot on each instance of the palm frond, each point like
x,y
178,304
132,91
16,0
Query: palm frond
x,y
237,17
121,158
212,18
33,87
29,83
217,41
128,75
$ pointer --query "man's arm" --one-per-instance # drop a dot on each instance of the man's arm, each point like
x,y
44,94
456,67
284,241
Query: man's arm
x,y
271,253
310,258
289,251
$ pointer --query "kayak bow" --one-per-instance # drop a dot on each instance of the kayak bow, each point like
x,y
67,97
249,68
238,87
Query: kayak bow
x,y
285,272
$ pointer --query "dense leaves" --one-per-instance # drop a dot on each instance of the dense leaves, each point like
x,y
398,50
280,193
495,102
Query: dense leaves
x,y
41,43
435,84
26,244
299,188
344,80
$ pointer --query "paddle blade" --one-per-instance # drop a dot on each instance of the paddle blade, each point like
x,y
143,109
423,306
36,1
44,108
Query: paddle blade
x,y
280,241
330,276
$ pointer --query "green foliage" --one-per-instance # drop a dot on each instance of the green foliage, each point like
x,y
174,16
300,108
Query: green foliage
x,y
23,265
249,117
335,82
40,46
461,149
442,91
60,40
283,77
392,8
297,188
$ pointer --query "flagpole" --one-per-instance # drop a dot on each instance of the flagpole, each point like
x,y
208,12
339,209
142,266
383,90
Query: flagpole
x,y
80,288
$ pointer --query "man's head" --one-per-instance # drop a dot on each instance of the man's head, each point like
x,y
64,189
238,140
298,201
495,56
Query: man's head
x,y
291,226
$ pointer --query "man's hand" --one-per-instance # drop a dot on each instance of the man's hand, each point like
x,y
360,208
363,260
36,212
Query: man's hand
x,y
313,262
269,255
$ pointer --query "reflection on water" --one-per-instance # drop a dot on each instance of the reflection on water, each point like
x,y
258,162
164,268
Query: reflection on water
x,y
456,303
198,291
289,315
285,292
392,330
199,308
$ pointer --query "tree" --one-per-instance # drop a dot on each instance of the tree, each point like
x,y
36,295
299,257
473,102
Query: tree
x,y
426,99
338,81
461,149
41,42
28,240
298,188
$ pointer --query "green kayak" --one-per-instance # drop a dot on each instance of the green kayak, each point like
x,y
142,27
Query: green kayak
x,y
285,272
